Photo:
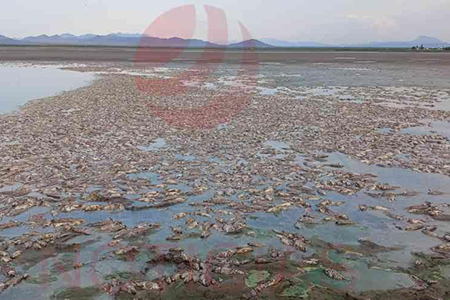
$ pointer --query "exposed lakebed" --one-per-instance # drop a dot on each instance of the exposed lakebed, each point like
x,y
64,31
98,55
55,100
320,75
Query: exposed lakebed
x,y
137,187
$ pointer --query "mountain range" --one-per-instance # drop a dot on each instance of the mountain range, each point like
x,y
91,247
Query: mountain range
x,y
426,41
279,43
124,39
134,40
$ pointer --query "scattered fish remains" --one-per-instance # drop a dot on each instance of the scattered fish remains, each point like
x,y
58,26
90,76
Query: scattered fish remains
x,y
111,192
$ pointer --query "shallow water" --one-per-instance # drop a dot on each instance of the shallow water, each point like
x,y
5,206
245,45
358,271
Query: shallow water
x,y
158,144
431,127
200,167
19,84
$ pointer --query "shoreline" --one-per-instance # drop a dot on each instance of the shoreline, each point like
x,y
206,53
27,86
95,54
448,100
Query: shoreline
x,y
123,54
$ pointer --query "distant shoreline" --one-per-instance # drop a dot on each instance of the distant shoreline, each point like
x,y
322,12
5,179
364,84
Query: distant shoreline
x,y
283,56
259,49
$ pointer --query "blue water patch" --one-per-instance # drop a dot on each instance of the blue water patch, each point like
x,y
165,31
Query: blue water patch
x,y
185,157
20,84
158,144
432,127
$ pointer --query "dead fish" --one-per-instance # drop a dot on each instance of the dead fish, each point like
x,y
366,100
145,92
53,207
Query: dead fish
x,y
385,187
442,248
234,228
300,245
6,259
393,216
90,208
280,207
414,227
148,285
435,193
262,261
180,215
363,207
244,250
191,223
381,208
415,221
177,230
16,254
114,243
333,274
341,217
114,206
10,225
255,244
127,250
13,281
344,223
227,271
226,254
446,237
337,166
8,271
176,237
398,227
78,265
311,261
321,192
205,234
307,219
202,214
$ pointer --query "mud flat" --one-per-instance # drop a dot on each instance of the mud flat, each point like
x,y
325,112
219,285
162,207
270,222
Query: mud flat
x,y
316,181
286,56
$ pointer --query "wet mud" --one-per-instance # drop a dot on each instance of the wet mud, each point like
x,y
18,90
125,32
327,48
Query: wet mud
x,y
317,187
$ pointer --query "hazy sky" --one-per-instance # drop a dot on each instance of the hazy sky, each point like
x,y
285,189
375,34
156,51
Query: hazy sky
x,y
331,21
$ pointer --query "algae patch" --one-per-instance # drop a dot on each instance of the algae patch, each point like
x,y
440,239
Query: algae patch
x,y
256,277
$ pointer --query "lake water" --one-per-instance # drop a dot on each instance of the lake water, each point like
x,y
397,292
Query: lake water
x,y
19,84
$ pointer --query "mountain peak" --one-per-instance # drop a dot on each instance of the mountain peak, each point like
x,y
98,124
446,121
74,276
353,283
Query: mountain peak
x,y
67,35
423,39
252,43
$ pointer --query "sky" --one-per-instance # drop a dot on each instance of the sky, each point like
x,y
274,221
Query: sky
x,y
328,21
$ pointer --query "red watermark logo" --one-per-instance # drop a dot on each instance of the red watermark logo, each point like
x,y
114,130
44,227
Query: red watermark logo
x,y
178,27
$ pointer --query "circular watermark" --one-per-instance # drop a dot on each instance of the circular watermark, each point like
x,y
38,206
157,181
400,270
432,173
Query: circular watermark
x,y
177,28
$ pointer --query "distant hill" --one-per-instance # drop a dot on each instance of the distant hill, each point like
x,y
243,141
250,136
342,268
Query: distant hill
x,y
115,39
8,41
250,44
426,41
174,42
135,40
286,44
429,42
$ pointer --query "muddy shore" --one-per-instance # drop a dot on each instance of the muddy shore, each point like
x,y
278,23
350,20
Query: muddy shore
x,y
326,181
128,54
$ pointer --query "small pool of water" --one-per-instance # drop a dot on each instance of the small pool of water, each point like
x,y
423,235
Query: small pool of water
x,y
19,84
158,144
431,127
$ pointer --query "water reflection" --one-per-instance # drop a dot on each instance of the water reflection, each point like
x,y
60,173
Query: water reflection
x,y
19,84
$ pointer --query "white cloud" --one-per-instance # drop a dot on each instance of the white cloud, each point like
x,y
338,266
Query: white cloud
x,y
376,23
